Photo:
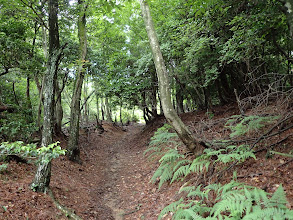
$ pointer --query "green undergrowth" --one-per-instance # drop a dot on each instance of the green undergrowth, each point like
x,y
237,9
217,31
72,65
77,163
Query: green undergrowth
x,y
229,201
29,151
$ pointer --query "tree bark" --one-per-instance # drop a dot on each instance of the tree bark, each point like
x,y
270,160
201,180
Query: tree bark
x,y
28,101
108,111
43,174
73,151
59,110
98,106
164,87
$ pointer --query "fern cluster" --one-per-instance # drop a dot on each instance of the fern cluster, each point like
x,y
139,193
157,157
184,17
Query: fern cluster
x,y
241,125
230,201
175,166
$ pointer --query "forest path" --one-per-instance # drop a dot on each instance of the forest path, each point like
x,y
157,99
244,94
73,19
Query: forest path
x,y
113,181
116,152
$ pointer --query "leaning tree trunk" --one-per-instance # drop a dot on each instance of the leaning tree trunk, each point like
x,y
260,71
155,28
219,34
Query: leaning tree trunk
x,y
43,174
164,87
73,151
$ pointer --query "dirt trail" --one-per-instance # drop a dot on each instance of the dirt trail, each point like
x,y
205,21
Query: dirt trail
x,y
113,152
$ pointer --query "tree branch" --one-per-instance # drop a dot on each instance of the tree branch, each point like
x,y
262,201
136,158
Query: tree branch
x,y
87,98
5,72
36,13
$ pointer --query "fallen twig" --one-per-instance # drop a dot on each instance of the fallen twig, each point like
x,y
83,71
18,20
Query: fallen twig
x,y
283,164
272,145
282,154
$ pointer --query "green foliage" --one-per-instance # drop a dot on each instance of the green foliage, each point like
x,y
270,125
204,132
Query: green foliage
x,y
15,126
230,201
174,166
18,148
3,167
247,124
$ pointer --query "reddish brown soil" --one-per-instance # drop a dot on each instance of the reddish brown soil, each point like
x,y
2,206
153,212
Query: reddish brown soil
x,y
114,180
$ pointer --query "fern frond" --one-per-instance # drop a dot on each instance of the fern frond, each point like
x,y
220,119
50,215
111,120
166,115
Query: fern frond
x,y
278,198
186,189
181,172
269,213
171,156
186,214
170,208
155,149
199,193
181,163
166,176
198,166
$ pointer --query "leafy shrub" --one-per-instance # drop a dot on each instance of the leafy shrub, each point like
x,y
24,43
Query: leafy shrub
x,y
31,151
16,127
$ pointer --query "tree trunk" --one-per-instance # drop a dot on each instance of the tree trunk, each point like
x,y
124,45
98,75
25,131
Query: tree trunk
x,y
41,87
108,111
98,106
59,110
179,101
120,114
164,87
86,115
102,110
73,152
43,174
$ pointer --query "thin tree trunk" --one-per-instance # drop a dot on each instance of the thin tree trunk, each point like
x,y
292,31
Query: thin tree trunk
x,y
86,97
98,106
102,110
43,174
108,111
28,100
164,87
73,151
59,110
41,99
14,93
120,114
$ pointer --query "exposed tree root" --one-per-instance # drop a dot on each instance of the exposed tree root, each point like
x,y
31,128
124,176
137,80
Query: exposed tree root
x,y
62,208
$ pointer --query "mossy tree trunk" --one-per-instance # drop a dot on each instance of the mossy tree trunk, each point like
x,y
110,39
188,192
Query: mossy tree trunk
x,y
73,151
43,174
183,132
